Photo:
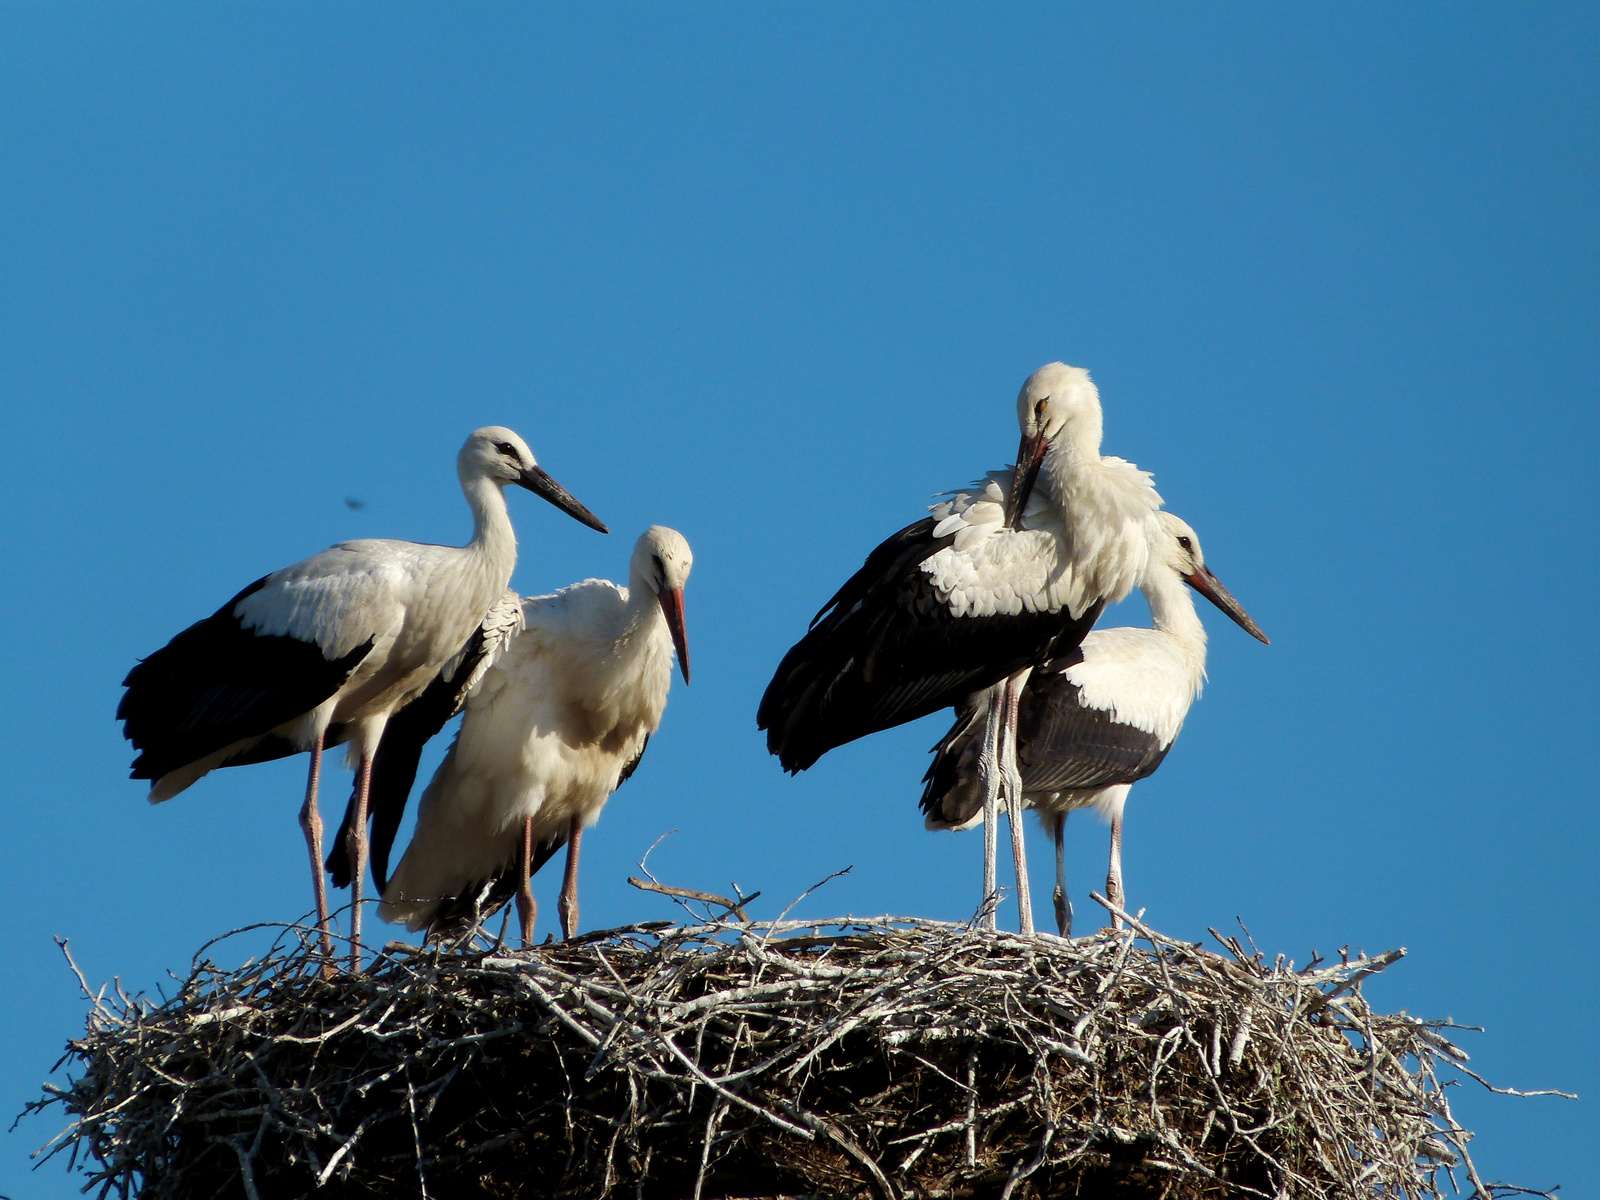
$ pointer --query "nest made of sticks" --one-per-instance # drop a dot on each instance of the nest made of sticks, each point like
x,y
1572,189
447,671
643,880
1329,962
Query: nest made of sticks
x,y
886,1057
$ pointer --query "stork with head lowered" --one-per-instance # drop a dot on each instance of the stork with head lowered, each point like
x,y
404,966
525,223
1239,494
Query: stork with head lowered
x,y
1095,720
999,579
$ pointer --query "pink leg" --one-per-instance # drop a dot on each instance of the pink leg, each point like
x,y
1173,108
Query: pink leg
x,y
1012,774
1114,874
527,908
356,847
568,904
1063,901
311,823
989,776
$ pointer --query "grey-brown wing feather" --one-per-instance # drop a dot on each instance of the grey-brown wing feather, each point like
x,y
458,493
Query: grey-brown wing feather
x,y
1064,743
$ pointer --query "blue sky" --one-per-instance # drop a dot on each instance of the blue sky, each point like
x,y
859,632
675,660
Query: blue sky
x,y
772,275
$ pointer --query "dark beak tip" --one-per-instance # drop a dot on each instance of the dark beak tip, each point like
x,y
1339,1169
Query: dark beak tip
x,y
1208,585
537,480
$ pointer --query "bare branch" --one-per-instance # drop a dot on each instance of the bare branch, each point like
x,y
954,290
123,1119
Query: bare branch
x,y
735,907
888,1056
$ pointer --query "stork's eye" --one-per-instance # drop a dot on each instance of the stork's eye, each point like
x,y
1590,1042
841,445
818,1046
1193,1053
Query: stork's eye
x,y
1038,409
508,450
1186,544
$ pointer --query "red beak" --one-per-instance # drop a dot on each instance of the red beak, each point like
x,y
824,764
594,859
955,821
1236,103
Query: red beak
x,y
672,609
1029,455
1209,586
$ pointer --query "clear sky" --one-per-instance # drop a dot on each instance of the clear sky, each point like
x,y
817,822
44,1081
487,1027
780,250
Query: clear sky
x,y
772,275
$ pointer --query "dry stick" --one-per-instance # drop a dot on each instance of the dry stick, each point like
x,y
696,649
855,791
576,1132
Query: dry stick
x,y
901,988
886,1188
972,1108
1021,1172
826,879
416,1134
95,998
1155,939
729,906
675,897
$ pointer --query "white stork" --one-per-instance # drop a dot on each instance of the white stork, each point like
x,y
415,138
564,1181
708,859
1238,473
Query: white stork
x,y
557,723
1096,720
394,769
996,581
328,649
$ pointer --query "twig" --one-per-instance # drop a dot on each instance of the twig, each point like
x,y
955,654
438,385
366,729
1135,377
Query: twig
x,y
802,1054
736,907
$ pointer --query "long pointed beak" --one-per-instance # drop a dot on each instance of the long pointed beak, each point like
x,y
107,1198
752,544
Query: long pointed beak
x,y
1209,586
1029,455
672,609
536,481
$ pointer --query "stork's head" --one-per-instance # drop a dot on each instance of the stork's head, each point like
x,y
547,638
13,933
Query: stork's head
x,y
497,454
1058,406
1177,547
661,562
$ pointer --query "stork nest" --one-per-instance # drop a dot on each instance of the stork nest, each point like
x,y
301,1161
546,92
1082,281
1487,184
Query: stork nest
x,y
888,1057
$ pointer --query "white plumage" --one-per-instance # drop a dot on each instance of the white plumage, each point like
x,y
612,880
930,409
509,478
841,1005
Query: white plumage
x,y
1094,721
329,648
998,579
552,729
1056,558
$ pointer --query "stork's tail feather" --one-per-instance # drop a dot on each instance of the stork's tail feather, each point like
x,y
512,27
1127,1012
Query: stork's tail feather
x,y
951,795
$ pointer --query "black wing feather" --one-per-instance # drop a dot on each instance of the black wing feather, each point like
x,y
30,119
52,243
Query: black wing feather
x,y
886,650
394,766
949,793
633,764
487,896
1062,743
217,683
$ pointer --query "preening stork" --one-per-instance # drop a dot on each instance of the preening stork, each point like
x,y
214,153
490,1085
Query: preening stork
x,y
327,650
1096,720
998,580
559,720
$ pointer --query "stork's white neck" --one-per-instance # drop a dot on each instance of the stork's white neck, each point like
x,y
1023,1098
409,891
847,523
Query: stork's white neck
x,y
644,609
493,538
1172,613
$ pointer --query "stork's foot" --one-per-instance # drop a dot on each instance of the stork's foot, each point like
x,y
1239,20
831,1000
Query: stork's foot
x,y
527,910
567,903
1063,905
568,906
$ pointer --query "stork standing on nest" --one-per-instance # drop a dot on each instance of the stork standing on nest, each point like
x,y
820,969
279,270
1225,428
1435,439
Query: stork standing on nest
x,y
1096,720
394,769
996,581
328,649
557,723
